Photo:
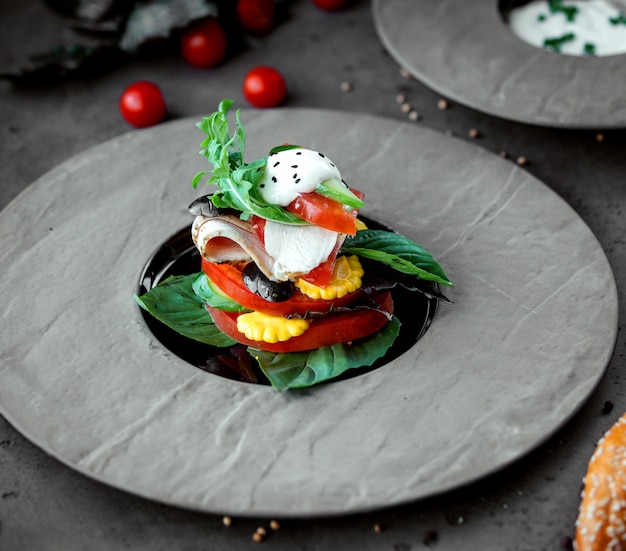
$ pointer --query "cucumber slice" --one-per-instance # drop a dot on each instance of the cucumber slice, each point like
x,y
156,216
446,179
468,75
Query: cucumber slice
x,y
338,191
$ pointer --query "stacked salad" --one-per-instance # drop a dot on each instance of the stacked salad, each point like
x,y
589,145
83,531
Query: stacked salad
x,y
288,269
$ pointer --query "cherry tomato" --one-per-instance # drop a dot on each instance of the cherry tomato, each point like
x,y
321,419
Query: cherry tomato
x,y
324,212
264,86
256,16
229,280
324,331
142,104
204,44
331,5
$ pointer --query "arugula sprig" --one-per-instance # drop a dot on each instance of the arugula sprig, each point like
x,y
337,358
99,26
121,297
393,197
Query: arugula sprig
x,y
237,181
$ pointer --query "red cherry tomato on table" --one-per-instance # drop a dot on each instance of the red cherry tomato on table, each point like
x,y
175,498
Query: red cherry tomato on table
x,y
331,5
256,16
264,86
142,104
204,44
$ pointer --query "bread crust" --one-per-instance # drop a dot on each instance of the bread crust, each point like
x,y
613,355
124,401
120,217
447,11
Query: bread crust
x,y
601,522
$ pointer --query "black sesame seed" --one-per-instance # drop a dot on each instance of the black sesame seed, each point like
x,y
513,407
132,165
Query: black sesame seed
x,y
299,153
261,185
295,175
298,181
320,154
331,164
294,166
274,179
276,163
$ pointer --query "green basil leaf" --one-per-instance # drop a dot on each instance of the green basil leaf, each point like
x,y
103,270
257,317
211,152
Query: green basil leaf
x,y
207,292
397,251
304,369
174,303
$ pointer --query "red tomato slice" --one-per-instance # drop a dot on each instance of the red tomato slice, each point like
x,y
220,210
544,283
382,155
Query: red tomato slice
x,y
326,331
322,274
324,212
258,224
229,280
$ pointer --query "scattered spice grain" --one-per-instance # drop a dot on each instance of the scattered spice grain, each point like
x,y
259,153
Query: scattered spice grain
x,y
405,73
522,161
599,137
442,104
473,133
400,98
346,87
430,537
504,154
274,525
607,407
414,116
261,531
405,107
227,521
378,527
258,538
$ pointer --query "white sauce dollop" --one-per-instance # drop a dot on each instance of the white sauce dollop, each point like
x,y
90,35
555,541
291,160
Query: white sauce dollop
x,y
295,171
534,22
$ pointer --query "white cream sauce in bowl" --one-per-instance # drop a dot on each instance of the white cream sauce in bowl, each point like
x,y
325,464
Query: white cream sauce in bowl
x,y
572,27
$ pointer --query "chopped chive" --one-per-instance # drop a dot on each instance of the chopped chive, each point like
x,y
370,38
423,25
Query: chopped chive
x,y
589,48
557,6
619,19
556,43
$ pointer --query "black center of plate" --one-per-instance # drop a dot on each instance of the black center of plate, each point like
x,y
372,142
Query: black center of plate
x,y
179,256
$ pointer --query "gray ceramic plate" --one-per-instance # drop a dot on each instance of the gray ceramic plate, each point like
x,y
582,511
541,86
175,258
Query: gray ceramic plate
x,y
529,336
466,52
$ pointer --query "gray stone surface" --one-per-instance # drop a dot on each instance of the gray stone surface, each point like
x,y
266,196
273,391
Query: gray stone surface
x,y
466,51
531,504
535,316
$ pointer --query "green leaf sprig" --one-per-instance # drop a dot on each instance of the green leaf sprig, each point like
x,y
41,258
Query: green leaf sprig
x,y
236,180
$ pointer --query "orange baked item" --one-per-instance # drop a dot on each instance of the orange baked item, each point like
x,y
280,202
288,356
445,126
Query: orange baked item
x,y
601,523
